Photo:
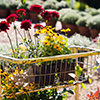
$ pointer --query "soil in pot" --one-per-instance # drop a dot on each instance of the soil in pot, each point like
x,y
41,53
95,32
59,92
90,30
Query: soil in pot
x,y
84,31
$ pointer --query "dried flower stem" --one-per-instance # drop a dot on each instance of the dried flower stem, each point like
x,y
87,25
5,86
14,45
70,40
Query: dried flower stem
x,y
10,43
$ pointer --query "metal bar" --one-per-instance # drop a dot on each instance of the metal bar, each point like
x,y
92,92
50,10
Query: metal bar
x,y
50,58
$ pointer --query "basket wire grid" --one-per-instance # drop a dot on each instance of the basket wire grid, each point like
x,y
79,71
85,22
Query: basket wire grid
x,y
54,71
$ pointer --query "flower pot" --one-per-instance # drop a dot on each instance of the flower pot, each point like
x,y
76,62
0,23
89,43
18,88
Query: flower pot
x,y
34,17
94,33
12,11
27,15
4,13
73,28
84,31
51,23
63,25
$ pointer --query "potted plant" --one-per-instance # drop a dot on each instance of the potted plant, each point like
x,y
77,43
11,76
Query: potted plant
x,y
94,25
13,6
62,4
70,20
4,10
26,7
50,17
35,10
81,23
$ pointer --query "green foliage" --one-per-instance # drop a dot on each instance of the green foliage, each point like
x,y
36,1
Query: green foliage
x,y
23,1
94,22
61,5
78,71
80,41
82,6
94,12
70,18
82,21
48,5
82,13
3,5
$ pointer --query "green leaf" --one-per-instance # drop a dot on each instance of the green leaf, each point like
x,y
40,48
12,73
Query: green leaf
x,y
94,68
71,81
70,91
23,1
90,80
78,70
82,85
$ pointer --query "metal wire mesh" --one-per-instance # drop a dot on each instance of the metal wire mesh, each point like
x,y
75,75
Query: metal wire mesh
x,y
50,71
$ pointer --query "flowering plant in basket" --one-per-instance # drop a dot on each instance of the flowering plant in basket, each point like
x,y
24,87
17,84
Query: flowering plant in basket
x,y
32,46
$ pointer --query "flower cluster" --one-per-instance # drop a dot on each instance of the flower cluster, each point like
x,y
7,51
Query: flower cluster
x,y
36,8
46,15
21,12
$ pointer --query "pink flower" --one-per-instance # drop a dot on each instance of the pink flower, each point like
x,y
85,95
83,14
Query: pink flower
x,y
26,24
36,8
11,18
4,26
38,26
46,15
95,40
21,12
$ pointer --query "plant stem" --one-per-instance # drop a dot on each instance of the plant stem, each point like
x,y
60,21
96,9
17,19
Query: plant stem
x,y
10,43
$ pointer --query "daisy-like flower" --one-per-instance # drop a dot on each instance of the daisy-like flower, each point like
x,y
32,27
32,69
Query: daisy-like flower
x,y
26,24
46,15
21,12
36,8
38,26
11,18
57,47
4,26
46,43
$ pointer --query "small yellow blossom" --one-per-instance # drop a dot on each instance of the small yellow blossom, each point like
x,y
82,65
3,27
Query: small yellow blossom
x,y
57,47
46,43
66,30
21,72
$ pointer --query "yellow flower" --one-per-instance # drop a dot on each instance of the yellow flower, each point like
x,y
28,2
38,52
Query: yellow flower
x,y
66,30
57,47
60,37
21,72
38,32
61,42
46,43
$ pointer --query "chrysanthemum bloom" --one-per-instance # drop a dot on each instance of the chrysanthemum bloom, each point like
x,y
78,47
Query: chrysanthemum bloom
x,y
38,26
55,14
26,24
46,15
11,18
21,12
36,8
4,26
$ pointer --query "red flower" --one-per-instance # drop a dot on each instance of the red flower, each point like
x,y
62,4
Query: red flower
x,y
55,14
11,18
36,8
21,12
26,24
46,15
38,26
4,26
